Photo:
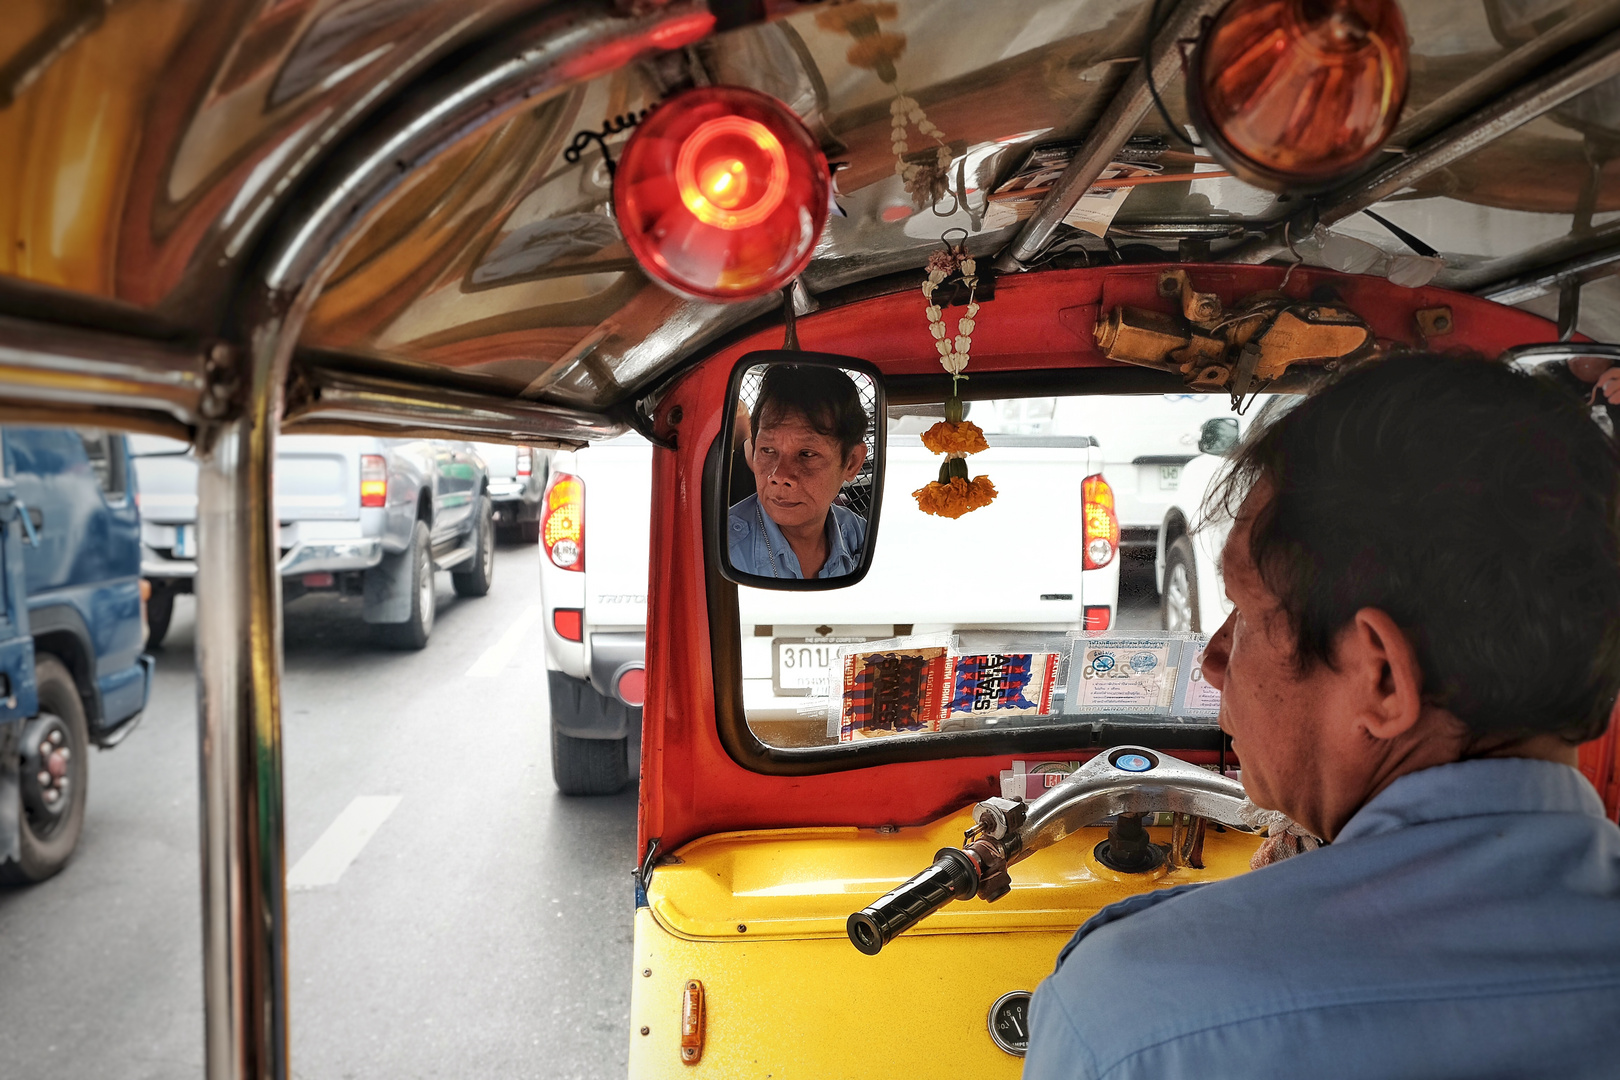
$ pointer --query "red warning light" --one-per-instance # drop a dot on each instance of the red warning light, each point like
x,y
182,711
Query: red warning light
x,y
1296,94
722,193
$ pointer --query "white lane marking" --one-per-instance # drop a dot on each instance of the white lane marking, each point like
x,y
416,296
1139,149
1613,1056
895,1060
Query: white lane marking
x,y
342,841
495,659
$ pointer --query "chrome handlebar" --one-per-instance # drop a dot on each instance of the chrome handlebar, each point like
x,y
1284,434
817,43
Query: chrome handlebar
x,y
1124,780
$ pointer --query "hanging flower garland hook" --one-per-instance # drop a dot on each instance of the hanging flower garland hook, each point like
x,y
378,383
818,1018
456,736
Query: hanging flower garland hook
x,y
954,493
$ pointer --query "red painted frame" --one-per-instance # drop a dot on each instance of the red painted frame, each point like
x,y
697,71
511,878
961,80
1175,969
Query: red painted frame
x,y
690,786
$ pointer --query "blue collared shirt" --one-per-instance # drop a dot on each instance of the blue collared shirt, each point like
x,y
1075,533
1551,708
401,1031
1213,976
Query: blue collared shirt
x,y
1465,923
751,548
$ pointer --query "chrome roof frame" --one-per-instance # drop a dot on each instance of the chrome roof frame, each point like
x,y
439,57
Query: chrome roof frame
x,y
236,394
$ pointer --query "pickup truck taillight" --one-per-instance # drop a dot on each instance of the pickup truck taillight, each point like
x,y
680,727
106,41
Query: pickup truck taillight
x,y
525,461
373,480
569,623
562,525
1102,524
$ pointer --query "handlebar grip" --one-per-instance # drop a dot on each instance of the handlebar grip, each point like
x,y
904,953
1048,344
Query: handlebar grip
x,y
953,876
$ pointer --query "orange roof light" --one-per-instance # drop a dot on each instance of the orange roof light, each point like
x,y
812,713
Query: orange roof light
x,y
722,193
1296,94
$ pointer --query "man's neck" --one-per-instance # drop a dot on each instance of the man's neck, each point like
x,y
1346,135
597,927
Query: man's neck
x,y
1540,748
1444,745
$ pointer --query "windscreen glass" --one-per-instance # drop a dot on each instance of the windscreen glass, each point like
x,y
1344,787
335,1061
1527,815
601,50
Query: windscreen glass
x,y
1051,602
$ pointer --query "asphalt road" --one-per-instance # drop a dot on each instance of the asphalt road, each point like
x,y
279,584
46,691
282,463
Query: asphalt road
x,y
483,929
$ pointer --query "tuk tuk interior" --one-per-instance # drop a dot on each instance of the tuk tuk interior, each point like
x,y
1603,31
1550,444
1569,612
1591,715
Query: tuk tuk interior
x,y
222,221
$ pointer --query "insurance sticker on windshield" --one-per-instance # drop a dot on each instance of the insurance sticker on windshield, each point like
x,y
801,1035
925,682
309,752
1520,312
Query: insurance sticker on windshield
x,y
1194,695
1122,675
803,667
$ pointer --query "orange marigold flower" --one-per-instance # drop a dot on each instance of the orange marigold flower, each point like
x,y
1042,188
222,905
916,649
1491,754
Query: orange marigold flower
x,y
875,49
964,437
844,18
956,498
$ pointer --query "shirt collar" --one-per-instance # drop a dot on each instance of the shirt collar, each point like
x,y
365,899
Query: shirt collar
x,y
839,559
1472,789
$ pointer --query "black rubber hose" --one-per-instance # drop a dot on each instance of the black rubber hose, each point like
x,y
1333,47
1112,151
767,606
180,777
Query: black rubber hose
x,y
952,877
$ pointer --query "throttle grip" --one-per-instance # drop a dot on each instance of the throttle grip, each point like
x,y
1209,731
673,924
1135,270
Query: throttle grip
x,y
954,875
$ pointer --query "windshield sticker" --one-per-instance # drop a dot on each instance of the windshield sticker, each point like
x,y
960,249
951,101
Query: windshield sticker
x,y
1194,695
1122,675
896,692
1000,684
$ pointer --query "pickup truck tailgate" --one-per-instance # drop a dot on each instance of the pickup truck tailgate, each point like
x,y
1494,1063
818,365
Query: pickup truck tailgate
x,y
1019,565
500,459
618,502
317,478
168,486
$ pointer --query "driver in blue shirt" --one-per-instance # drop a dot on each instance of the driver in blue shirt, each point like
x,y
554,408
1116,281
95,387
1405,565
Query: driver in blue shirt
x,y
1424,565
807,439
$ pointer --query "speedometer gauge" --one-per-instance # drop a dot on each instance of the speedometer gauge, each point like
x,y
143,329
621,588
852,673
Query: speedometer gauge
x,y
1009,1022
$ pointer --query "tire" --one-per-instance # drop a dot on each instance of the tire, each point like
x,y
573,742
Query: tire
x,y
1178,606
589,766
528,532
159,612
413,632
475,580
49,831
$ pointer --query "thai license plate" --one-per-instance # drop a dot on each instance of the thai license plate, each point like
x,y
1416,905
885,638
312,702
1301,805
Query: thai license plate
x,y
803,667
1169,477
185,541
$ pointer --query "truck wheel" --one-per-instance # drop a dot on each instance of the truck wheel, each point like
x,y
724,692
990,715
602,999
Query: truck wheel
x,y
474,581
589,766
529,531
413,632
159,611
586,766
1179,605
54,777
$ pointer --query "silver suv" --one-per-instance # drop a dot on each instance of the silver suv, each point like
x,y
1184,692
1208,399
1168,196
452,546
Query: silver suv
x,y
362,515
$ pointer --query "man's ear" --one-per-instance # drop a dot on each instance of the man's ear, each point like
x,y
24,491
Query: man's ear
x,y
857,458
1385,674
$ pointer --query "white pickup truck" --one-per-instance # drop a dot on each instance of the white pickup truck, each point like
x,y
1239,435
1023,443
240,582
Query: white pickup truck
x,y
1147,441
517,480
1187,563
1019,568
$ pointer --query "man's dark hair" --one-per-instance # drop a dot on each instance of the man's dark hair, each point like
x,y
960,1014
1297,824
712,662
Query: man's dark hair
x,y
1478,507
824,396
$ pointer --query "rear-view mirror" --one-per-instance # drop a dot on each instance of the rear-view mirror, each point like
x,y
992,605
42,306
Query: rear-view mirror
x,y
1218,435
802,453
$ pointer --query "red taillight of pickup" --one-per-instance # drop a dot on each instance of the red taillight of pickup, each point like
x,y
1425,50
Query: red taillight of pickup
x,y
569,623
1102,524
373,480
562,525
525,461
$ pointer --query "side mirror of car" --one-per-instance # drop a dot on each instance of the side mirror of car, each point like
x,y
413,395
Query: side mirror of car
x,y
802,447
1218,435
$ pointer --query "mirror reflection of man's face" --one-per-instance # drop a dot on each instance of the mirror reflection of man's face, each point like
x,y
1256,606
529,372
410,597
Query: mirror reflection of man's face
x,y
798,471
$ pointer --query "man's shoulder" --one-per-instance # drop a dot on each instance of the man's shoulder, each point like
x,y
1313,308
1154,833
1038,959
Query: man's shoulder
x,y
1393,930
741,518
849,523
1123,909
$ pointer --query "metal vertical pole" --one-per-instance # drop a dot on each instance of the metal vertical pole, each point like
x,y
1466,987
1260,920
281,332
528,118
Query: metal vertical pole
x,y
238,586
239,712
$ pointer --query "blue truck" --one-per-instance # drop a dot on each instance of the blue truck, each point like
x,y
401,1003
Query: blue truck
x,y
72,671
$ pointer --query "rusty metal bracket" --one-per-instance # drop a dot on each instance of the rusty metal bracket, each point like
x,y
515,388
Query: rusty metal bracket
x,y
1241,349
